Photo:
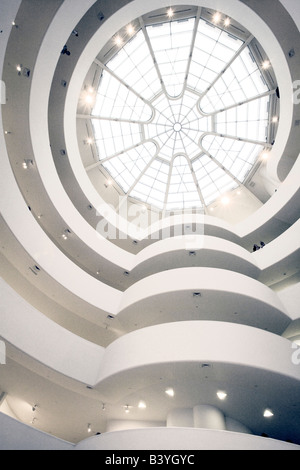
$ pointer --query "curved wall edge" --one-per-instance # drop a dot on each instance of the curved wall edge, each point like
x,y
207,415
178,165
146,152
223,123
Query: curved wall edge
x,y
181,438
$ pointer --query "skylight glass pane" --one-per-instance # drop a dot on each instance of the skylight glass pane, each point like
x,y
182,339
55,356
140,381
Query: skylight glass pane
x,y
114,101
134,65
182,189
145,190
242,80
213,49
236,156
247,121
171,44
127,167
113,137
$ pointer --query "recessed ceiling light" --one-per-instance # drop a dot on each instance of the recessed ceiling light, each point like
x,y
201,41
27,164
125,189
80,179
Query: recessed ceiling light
x,y
268,413
170,392
225,200
217,18
142,405
227,22
266,64
221,395
118,40
26,163
170,12
89,99
130,30
275,119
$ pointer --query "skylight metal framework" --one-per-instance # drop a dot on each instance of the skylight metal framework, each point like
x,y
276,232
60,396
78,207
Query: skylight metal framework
x,y
182,112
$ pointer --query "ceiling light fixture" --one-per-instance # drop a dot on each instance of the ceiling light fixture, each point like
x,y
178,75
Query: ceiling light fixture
x,y
89,429
118,41
170,392
268,413
217,18
170,12
27,163
221,395
89,99
266,64
127,409
142,405
227,22
130,30
225,200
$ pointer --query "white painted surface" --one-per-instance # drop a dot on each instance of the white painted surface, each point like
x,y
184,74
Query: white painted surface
x,y
37,336
181,438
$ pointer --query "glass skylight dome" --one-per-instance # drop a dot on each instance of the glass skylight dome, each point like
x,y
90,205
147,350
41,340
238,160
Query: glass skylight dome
x,y
182,111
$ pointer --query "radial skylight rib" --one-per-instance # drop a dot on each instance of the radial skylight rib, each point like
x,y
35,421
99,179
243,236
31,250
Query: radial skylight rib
x,y
128,167
240,82
116,99
134,66
203,70
236,156
254,116
182,190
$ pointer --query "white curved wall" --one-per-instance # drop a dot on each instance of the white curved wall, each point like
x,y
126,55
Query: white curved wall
x,y
196,346
168,296
18,436
181,438
46,341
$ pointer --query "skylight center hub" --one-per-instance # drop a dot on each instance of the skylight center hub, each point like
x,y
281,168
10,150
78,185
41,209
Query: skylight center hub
x,y
177,127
